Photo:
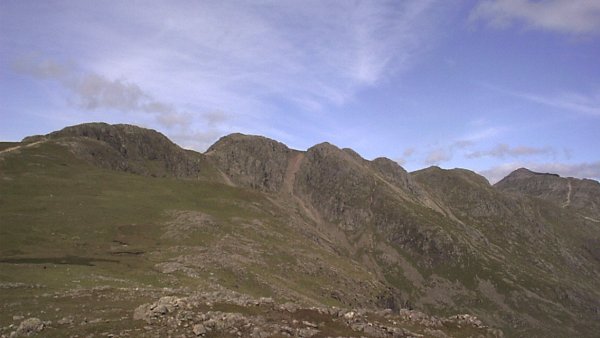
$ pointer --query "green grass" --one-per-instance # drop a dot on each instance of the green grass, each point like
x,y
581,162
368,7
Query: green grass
x,y
68,225
57,198
6,145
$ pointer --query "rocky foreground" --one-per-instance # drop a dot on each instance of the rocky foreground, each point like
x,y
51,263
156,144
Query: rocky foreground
x,y
226,313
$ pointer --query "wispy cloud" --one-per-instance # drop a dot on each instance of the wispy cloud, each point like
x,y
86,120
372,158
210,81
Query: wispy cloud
x,y
257,61
408,152
503,150
581,103
480,132
95,92
565,16
438,156
236,56
580,170
406,155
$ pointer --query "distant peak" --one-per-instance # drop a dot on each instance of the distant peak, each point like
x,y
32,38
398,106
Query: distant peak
x,y
324,147
456,173
237,139
385,161
111,133
524,172
431,169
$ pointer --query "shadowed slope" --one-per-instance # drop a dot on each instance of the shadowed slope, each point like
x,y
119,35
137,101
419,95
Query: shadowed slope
x,y
581,195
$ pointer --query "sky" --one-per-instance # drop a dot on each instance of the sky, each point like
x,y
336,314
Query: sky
x,y
490,85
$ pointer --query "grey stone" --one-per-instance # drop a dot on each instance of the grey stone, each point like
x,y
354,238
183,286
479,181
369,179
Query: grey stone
x,y
199,329
30,326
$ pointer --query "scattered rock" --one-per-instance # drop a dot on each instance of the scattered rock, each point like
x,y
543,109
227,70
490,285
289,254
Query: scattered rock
x,y
349,314
182,316
30,326
309,324
307,332
199,330
66,320
289,307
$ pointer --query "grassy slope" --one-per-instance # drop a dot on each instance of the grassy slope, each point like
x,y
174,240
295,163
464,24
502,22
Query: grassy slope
x,y
67,225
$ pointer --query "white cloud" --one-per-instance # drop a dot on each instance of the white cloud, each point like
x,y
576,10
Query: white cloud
x,y
93,92
256,61
235,56
589,170
406,155
565,16
503,150
438,156
581,103
479,134
408,152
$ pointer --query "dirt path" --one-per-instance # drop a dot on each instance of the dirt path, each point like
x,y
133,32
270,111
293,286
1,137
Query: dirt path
x,y
290,173
8,150
568,202
591,219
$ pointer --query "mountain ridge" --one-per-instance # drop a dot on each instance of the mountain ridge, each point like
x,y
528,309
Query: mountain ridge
x,y
341,229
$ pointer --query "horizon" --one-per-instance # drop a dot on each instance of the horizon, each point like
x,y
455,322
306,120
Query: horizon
x,y
304,150
490,86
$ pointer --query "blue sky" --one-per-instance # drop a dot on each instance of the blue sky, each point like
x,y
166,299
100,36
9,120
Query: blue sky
x,y
486,85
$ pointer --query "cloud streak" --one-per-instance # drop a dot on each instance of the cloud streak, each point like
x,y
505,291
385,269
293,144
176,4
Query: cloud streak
x,y
95,92
580,103
564,16
237,56
503,150
437,156
583,104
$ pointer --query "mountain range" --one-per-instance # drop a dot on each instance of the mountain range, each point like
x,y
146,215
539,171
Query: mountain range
x,y
99,223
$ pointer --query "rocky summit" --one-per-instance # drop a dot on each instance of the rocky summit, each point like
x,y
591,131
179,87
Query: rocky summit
x,y
115,231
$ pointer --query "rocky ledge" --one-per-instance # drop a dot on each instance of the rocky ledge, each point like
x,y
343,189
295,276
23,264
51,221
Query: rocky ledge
x,y
229,314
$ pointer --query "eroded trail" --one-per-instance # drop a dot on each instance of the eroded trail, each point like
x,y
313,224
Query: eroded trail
x,y
568,201
290,173
8,150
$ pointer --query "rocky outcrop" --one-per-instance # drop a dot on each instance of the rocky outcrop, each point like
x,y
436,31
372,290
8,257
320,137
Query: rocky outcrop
x,y
29,327
251,161
129,148
229,313
337,185
469,194
378,197
581,195
395,174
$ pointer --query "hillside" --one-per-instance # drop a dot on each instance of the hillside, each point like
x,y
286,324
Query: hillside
x,y
582,196
104,223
